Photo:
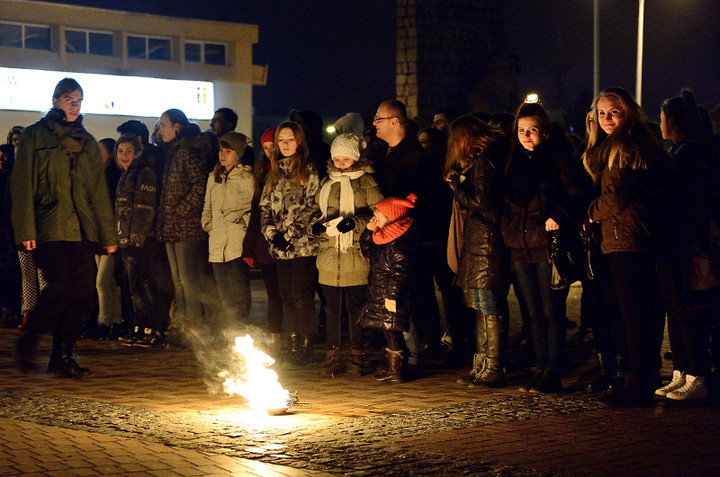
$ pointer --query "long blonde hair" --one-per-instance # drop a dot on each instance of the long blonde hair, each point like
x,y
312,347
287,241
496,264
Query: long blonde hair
x,y
630,144
299,174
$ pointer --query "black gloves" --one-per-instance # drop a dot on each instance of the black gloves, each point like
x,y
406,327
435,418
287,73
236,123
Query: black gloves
x,y
280,243
346,225
318,228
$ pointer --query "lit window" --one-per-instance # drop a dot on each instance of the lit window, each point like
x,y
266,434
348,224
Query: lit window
x,y
203,52
148,48
34,37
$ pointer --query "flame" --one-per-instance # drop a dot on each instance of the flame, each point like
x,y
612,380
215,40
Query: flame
x,y
260,385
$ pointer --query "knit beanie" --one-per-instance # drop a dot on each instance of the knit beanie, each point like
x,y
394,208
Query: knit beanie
x,y
235,140
350,123
268,135
396,208
347,145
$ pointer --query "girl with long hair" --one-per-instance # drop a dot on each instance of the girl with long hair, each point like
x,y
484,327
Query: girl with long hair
x,y
474,169
287,205
623,155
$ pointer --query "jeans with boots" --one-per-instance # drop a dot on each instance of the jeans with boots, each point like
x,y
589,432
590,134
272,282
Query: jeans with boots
x,y
492,373
479,359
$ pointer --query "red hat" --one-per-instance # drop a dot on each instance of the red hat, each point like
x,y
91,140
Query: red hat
x,y
395,208
268,135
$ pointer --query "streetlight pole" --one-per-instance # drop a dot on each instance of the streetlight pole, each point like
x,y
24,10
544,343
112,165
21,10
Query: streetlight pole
x,y
639,65
596,48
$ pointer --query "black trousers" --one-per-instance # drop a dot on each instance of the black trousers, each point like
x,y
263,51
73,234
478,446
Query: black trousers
x,y
296,279
64,305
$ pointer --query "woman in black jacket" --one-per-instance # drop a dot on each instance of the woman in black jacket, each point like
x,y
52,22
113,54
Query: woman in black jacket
x,y
537,194
474,169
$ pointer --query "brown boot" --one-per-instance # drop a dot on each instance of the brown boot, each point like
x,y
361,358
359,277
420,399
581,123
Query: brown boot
x,y
333,362
358,362
394,373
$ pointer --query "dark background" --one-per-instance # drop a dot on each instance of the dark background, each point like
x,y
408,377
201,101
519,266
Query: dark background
x,y
339,56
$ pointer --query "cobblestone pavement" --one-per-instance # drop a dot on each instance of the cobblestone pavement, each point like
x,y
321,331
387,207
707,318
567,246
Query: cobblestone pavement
x,y
162,412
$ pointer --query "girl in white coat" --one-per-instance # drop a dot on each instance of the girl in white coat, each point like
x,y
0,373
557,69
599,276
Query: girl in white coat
x,y
225,217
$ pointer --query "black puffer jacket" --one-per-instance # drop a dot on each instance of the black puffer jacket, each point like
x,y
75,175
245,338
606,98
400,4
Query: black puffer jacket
x,y
136,203
479,194
391,272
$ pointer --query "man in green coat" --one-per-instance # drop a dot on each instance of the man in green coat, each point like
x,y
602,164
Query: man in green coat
x,y
60,208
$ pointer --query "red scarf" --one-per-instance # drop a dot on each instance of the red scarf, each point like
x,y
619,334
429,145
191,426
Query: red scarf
x,y
391,231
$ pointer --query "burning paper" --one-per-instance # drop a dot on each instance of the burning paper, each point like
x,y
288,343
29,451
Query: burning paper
x,y
258,384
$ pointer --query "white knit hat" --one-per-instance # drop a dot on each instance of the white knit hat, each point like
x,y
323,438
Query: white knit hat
x,y
347,145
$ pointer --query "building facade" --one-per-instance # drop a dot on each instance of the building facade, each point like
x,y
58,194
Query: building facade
x,y
74,39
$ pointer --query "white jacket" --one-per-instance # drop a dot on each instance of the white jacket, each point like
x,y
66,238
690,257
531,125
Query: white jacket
x,y
226,213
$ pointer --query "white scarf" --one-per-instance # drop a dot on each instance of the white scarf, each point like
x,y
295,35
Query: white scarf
x,y
347,202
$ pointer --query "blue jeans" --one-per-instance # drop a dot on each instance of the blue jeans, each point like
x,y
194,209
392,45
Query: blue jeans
x,y
233,285
187,266
547,327
484,301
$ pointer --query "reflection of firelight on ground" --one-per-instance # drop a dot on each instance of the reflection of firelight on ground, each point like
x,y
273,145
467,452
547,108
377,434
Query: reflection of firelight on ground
x,y
257,383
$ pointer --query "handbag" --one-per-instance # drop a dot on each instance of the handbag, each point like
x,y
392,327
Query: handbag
x,y
456,236
563,271
589,234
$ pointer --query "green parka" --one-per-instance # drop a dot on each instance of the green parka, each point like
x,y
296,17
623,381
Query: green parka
x,y
56,197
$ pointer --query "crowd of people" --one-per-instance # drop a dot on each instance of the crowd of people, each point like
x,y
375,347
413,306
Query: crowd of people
x,y
150,231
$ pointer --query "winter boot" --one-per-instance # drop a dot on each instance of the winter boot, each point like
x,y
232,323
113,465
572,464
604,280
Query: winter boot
x,y
358,361
333,362
480,356
603,381
492,374
62,362
394,373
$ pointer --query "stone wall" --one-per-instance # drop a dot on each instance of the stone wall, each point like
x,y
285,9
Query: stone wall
x,y
443,48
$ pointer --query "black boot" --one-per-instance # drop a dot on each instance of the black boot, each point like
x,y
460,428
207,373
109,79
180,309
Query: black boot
x,y
25,352
358,361
62,362
394,373
492,374
603,381
481,340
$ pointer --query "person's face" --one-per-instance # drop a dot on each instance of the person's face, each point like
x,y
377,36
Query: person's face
x,y
384,121
343,162
70,103
166,129
610,114
440,122
15,139
228,158
425,141
664,127
125,154
286,142
529,132
381,219
268,148
218,125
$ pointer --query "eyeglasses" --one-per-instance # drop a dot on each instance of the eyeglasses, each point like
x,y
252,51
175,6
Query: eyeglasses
x,y
376,119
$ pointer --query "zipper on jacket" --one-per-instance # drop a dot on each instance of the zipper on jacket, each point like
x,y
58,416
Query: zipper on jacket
x,y
615,224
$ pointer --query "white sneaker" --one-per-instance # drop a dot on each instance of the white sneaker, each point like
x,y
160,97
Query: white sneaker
x,y
694,388
677,381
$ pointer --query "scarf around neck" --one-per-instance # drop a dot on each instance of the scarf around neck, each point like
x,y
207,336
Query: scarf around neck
x,y
71,135
391,231
347,202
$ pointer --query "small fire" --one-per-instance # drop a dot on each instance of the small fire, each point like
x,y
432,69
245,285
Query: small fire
x,y
259,385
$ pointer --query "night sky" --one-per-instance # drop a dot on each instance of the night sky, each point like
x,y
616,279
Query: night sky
x,y
339,56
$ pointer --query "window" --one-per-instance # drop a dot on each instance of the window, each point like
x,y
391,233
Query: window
x,y
33,37
202,52
148,48
95,43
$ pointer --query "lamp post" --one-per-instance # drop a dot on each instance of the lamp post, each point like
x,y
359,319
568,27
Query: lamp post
x,y
639,65
596,48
